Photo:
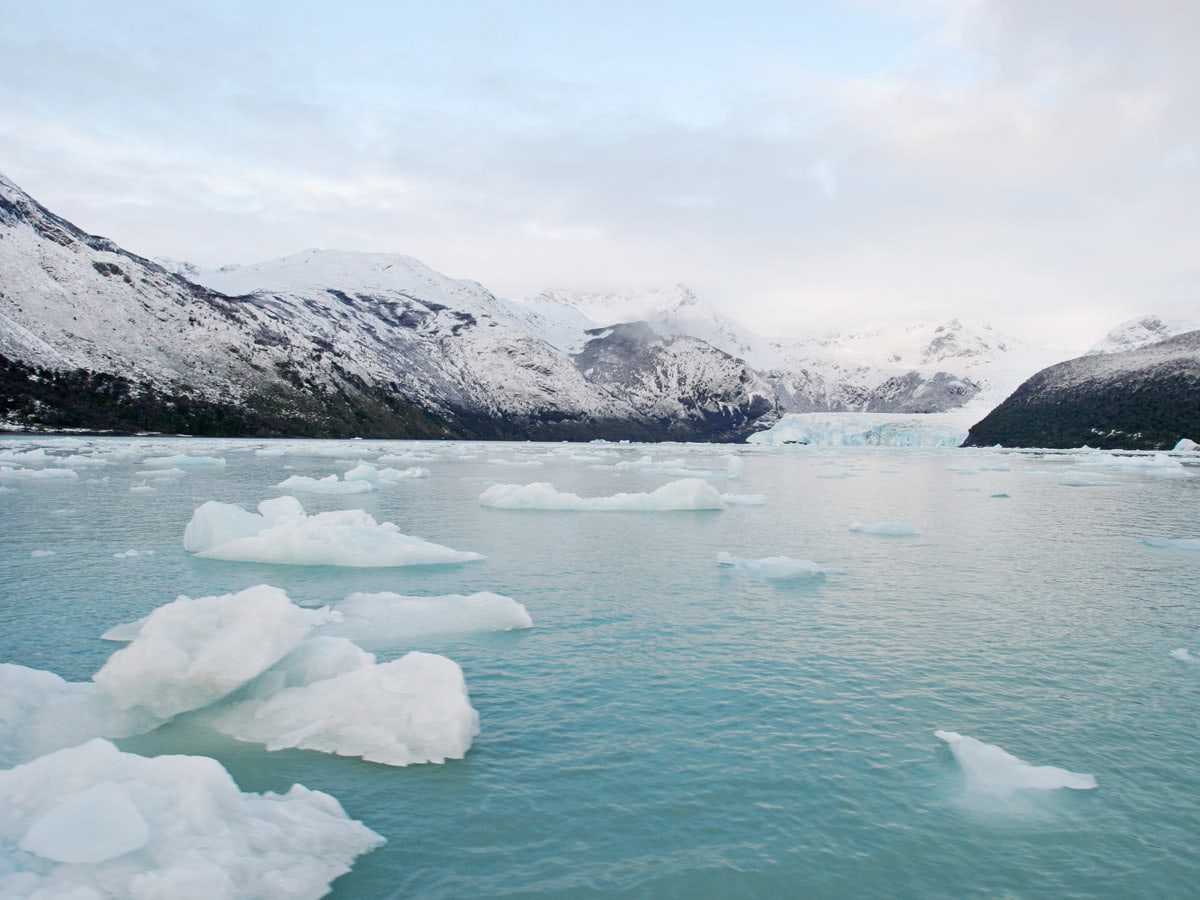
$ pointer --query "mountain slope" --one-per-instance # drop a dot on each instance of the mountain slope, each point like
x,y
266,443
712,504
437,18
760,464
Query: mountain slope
x,y
321,343
1147,398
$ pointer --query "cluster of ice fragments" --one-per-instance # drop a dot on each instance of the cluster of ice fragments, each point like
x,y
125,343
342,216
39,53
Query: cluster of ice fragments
x,y
361,479
684,494
90,821
76,814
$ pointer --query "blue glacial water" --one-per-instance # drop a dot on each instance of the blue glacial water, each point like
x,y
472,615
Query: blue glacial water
x,y
671,728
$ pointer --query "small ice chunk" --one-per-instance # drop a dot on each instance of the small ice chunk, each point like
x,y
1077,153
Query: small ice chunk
x,y
412,710
190,653
886,529
992,770
95,822
1186,445
94,825
282,533
685,494
37,554
182,460
391,619
1182,654
774,568
327,485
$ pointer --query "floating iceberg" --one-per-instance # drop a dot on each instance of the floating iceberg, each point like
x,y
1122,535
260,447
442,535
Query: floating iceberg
x,y
182,460
8,472
283,533
41,713
190,653
412,710
774,568
1151,464
391,619
886,529
1182,654
330,484
91,821
372,475
686,494
992,770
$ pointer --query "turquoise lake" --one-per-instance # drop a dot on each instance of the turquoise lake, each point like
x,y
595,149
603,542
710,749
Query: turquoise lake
x,y
673,728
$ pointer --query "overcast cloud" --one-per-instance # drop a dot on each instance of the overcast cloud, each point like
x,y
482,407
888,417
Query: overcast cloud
x,y
802,165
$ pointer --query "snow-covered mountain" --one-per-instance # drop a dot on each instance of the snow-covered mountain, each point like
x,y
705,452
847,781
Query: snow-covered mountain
x,y
325,343
330,342
1145,330
1145,398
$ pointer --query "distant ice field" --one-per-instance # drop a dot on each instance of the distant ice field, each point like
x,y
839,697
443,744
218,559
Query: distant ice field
x,y
906,672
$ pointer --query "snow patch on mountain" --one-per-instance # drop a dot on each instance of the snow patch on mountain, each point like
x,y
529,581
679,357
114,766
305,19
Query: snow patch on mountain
x,y
1145,330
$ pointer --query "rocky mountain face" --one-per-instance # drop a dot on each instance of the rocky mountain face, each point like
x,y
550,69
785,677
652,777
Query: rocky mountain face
x,y
327,343
323,344
1146,398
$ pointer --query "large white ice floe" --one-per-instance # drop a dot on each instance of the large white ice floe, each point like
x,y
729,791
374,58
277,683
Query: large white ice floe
x,y
192,652
412,710
282,533
90,822
41,713
991,770
391,619
685,494
772,568
1145,463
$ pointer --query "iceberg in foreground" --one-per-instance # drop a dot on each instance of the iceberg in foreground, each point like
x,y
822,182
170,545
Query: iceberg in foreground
x,y
40,713
992,770
334,698
282,533
685,494
91,821
190,653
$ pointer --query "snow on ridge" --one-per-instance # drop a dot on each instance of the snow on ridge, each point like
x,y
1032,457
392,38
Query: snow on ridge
x,y
1143,331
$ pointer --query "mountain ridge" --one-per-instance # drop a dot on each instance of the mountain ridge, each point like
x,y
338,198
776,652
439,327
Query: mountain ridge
x,y
337,343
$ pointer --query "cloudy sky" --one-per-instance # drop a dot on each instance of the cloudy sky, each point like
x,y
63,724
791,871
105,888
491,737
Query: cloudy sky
x,y
802,165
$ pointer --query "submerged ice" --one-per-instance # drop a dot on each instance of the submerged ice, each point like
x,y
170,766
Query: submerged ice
x,y
989,769
282,533
773,568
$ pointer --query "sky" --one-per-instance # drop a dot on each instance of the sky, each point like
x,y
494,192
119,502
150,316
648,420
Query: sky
x,y
803,166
